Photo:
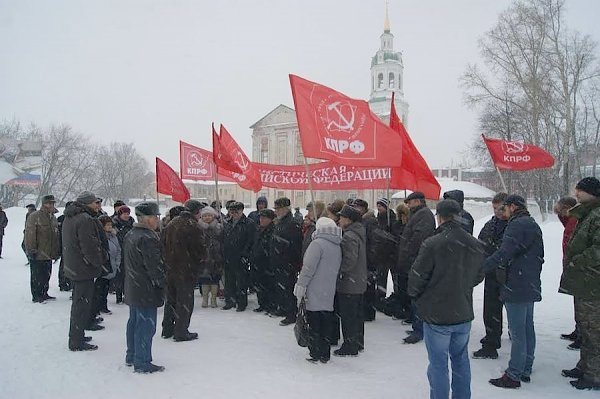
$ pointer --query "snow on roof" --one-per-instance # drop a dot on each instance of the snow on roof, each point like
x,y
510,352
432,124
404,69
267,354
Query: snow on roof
x,y
471,190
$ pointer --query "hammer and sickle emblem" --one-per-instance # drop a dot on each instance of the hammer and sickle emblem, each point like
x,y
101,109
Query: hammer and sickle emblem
x,y
240,161
343,122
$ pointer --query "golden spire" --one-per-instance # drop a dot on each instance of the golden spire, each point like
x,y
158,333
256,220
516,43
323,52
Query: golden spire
x,y
386,24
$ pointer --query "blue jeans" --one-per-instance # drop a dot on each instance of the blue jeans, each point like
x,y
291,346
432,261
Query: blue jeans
x,y
441,342
522,332
141,327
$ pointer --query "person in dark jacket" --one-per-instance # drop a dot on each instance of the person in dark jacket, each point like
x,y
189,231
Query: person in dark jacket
x,y
261,203
581,279
262,272
561,209
352,282
392,305
385,216
145,282
30,209
464,218
380,255
3,224
184,250
286,252
122,223
448,266
42,246
518,264
420,226
491,236
298,216
64,284
211,268
84,259
238,239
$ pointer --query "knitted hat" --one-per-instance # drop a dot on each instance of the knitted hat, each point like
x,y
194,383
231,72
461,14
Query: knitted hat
x,y
324,223
383,202
590,185
123,209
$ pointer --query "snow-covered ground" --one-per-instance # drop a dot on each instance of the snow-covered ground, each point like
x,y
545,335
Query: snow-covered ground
x,y
249,355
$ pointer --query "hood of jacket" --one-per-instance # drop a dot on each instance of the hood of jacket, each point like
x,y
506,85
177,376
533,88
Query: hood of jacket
x,y
262,200
332,234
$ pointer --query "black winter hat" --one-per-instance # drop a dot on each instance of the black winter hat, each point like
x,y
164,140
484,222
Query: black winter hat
x,y
193,206
351,213
447,208
118,203
30,206
147,209
456,195
383,202
229,202
517,200
175,211
282,202
262,200
268,213
416,195
590,185
360,203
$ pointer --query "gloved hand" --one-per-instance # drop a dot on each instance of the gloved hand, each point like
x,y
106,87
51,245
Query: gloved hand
x,y
299,292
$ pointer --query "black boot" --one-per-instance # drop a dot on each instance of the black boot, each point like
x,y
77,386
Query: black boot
x,y
505,382
582,383
573,373
189,336
486,352
569,337
229,305
83,347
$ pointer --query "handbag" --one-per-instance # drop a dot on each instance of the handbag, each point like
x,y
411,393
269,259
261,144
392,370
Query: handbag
x,y
301,327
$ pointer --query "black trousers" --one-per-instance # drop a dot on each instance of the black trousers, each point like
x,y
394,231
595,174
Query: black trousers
x,y
492,312
352,320
370,296
381,280
81,310
285,279
403,300
264,284
1,239
40,271
100,296
179,307
118,283
319,330
63,282
236,284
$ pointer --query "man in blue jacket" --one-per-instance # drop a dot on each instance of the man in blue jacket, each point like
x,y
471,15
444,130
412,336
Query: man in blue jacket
x,y
518,265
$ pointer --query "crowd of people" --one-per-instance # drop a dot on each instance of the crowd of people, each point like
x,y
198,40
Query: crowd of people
x,y
334,263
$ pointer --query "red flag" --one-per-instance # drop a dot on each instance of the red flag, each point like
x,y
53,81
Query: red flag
x,y
231,161
197,164
342,129
167,182
516,155
414,173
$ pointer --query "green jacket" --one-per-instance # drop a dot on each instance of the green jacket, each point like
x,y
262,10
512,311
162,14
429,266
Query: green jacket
x,y
41,236
581,271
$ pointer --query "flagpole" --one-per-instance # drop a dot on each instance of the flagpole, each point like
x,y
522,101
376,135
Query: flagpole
x,y
310,188
387,194
217,189
501,179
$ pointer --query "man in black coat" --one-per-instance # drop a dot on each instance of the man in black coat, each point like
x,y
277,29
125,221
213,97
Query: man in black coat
x,y
286,259
441,280
261,203
491,235
123,223
464,218
420,226
144,286
64,284
84,258
184,250
262,272
238,238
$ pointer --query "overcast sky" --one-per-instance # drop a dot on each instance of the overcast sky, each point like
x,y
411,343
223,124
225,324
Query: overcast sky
x,y
155,72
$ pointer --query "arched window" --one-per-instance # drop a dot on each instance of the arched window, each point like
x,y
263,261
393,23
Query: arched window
x,y
391,80
380,81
